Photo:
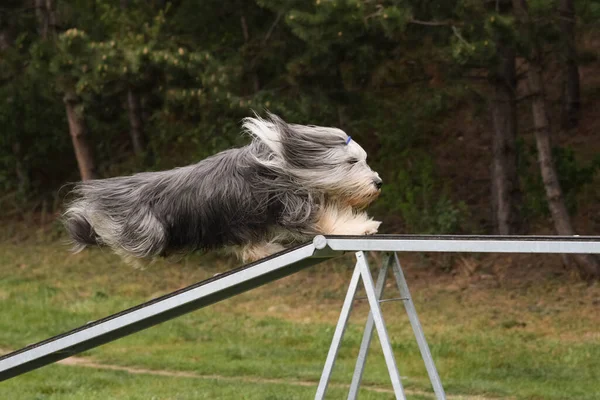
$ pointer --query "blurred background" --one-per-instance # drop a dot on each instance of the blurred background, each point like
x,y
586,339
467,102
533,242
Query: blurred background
x,y
481,116
455,101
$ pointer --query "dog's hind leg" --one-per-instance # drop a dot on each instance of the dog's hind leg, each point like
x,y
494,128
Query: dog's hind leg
x,y
77,223
142,235
333,219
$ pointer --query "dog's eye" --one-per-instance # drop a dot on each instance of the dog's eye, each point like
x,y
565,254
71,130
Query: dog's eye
x,y
353,161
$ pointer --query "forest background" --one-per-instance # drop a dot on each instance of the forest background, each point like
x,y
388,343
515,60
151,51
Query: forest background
x,y
480,115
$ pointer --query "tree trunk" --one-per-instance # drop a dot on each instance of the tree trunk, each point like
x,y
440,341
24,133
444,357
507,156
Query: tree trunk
x,y
50,6
506,195
7,38
542,137
79,136
20,170
46,15
136,124
45,10
42,16
571,99
588,264
253,74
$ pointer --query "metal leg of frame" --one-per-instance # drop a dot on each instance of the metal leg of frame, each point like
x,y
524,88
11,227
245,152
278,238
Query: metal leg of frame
x,y
384,339
368,332
375,319
417,329
338,335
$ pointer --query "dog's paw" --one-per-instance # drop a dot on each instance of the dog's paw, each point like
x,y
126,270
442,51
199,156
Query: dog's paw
x,y
345,221
256,251
371,227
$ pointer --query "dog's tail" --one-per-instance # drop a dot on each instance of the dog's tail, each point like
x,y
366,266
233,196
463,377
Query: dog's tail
x,y
79,227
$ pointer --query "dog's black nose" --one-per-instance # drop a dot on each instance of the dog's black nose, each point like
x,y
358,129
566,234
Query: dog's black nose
x,y
378,183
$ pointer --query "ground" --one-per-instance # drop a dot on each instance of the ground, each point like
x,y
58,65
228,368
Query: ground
x,y
498,327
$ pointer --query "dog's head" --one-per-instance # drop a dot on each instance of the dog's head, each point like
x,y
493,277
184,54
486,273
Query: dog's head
x,y
326,159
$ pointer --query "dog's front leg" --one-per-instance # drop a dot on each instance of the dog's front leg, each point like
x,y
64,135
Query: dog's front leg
x,y
256,251
334,219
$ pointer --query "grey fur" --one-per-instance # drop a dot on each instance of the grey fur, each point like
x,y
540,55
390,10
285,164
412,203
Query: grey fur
x,y
272,190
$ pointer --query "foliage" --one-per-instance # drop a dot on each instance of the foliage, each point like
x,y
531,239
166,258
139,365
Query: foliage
x,y
416,196
389,72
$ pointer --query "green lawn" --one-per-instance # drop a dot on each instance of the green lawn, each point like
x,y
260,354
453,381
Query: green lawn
x,y
538,341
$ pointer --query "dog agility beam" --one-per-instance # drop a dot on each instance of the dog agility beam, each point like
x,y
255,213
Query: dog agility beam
x,y
468,244
286,263
161,309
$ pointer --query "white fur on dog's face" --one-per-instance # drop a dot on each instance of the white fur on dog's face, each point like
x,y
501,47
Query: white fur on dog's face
x,y
325,159
361,190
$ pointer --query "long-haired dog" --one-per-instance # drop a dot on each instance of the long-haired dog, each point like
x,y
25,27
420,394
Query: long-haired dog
x,y
290,183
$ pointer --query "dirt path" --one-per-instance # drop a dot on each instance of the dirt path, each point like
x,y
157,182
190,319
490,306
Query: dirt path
x,y
87,363
83,362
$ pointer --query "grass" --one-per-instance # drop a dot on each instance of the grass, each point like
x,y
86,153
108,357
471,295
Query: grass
x,y
489,337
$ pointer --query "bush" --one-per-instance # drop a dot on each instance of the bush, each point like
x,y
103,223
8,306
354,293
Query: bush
x,y
421,202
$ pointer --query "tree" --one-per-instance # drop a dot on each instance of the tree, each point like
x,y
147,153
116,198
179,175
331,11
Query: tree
x,y
588,264
134,111
570,71
63,66
7,39
136,123
79,135
173,80
506,195
505,181
71,46
132,56
26,105
483,45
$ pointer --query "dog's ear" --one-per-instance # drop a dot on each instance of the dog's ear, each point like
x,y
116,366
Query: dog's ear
x,y
267,131
298,146
309,146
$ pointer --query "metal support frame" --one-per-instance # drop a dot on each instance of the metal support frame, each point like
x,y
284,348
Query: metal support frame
x,y
288,262
375,319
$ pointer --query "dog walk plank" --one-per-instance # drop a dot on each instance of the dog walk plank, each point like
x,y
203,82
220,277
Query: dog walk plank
x,y
158,310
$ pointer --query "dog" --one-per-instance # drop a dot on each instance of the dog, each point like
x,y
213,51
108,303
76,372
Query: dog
x,y
290,183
